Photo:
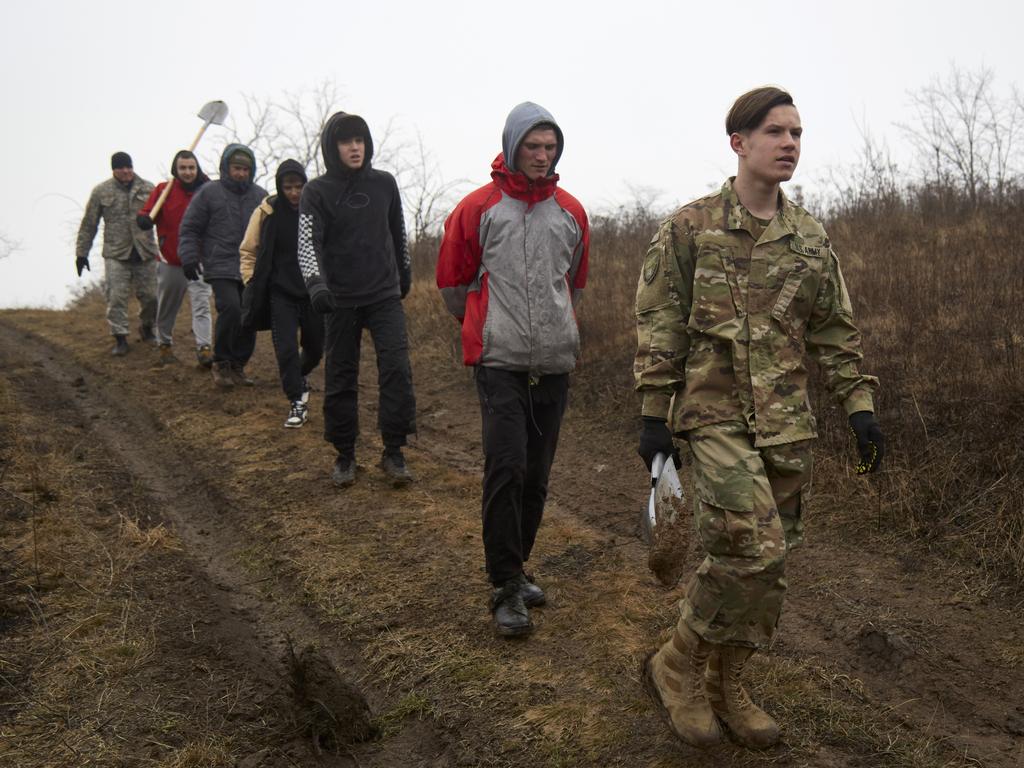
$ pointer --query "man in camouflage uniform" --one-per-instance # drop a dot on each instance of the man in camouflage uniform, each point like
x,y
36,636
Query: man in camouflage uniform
x,y
129,252
736,288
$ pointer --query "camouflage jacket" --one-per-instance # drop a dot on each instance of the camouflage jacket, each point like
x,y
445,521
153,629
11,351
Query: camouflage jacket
x,y
117,207
726,309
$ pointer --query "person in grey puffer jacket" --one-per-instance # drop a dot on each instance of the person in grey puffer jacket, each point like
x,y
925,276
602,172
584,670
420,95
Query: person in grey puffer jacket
x,y
210,235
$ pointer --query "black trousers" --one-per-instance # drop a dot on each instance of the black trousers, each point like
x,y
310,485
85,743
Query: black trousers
x,y
290,317
520,424
396,416
232,342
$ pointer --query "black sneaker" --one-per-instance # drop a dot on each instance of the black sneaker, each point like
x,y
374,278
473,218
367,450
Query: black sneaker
x,y
393,465
297,416
510,614
533,596
120,345
344,472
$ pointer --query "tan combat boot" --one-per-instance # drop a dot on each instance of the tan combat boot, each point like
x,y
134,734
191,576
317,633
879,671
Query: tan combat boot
x,y
674,677
750,725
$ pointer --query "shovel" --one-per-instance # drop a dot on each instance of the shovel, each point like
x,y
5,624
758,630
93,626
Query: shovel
x,y
664,524
212,113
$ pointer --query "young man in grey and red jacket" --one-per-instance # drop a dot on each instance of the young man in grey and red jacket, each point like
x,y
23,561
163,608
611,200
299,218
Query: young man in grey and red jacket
x,y
353,257
512,265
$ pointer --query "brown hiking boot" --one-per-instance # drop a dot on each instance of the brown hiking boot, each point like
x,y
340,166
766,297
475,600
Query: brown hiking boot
x,y
222,375
749,725
164,356
204,356
674,677
239,375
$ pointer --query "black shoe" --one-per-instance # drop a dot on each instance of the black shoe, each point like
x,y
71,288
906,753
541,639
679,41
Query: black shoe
x,y
393,464
222,378
120,345
511,616
146,333
532,595
344,472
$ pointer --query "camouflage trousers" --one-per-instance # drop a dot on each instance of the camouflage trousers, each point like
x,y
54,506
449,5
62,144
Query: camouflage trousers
x,y
747,511
122,277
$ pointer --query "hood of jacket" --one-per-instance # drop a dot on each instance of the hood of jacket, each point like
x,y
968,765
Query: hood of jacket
x,y
286,167
238,187
343,124
520,121
200,179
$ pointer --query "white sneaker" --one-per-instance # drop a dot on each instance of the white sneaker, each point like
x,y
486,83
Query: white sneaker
x,y
305,391
297,416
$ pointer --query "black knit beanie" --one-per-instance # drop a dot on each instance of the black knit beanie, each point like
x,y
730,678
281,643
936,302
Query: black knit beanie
x,y
120,160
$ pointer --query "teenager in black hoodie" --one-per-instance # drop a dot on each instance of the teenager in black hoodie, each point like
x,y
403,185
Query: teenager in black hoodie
x,y
275,295
353,255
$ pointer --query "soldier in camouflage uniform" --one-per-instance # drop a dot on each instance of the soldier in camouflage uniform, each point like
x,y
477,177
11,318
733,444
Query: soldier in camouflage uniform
x,y
129,252
736,288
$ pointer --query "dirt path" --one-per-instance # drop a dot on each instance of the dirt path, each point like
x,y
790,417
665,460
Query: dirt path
x,y
883,659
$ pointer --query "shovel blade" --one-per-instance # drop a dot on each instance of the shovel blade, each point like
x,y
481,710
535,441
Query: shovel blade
x,y
214,112
663,524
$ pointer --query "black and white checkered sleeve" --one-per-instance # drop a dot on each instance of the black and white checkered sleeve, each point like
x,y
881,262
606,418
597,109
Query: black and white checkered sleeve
x,y
307,253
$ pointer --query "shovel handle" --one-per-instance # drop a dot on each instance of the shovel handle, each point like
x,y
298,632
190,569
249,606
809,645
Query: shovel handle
x,y
167,190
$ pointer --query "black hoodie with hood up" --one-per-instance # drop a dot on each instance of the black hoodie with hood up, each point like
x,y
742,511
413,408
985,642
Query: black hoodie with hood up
x,y
277,265
351,226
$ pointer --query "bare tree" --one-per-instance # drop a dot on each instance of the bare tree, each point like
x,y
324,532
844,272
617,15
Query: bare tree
x,y
8,245
277,129
290,127
426,196
966,134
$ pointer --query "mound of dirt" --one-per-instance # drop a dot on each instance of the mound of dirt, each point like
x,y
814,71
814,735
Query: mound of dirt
x,y
332,710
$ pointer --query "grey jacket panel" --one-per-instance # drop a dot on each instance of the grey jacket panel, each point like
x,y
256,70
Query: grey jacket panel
x,y
526,255
117,208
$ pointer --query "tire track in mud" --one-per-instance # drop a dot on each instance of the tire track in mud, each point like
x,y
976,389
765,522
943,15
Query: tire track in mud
x,y
258,629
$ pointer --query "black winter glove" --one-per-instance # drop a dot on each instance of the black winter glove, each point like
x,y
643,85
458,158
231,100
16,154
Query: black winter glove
x,y
655,438
191,271
404,286
320,296
144,221
870,441
82,262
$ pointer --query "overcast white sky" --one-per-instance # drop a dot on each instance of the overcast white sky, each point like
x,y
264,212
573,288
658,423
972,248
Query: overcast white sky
x,y
640,88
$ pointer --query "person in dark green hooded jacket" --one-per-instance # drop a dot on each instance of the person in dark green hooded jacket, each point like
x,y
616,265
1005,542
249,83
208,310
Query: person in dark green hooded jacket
x,y
208,242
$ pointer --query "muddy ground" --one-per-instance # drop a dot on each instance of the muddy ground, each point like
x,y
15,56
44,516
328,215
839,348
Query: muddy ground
x,y
162,544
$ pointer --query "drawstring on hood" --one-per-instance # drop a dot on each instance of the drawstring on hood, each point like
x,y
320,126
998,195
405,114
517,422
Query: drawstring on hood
x,y
200,179
520,121
238,187
342,125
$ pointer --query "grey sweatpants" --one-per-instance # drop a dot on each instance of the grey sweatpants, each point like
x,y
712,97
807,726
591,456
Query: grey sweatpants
x,y
122,278
171,285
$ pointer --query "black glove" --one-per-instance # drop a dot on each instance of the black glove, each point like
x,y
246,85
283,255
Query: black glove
x,y
870,441
320,296
144,221
192,271
655,438
82,262
404,286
